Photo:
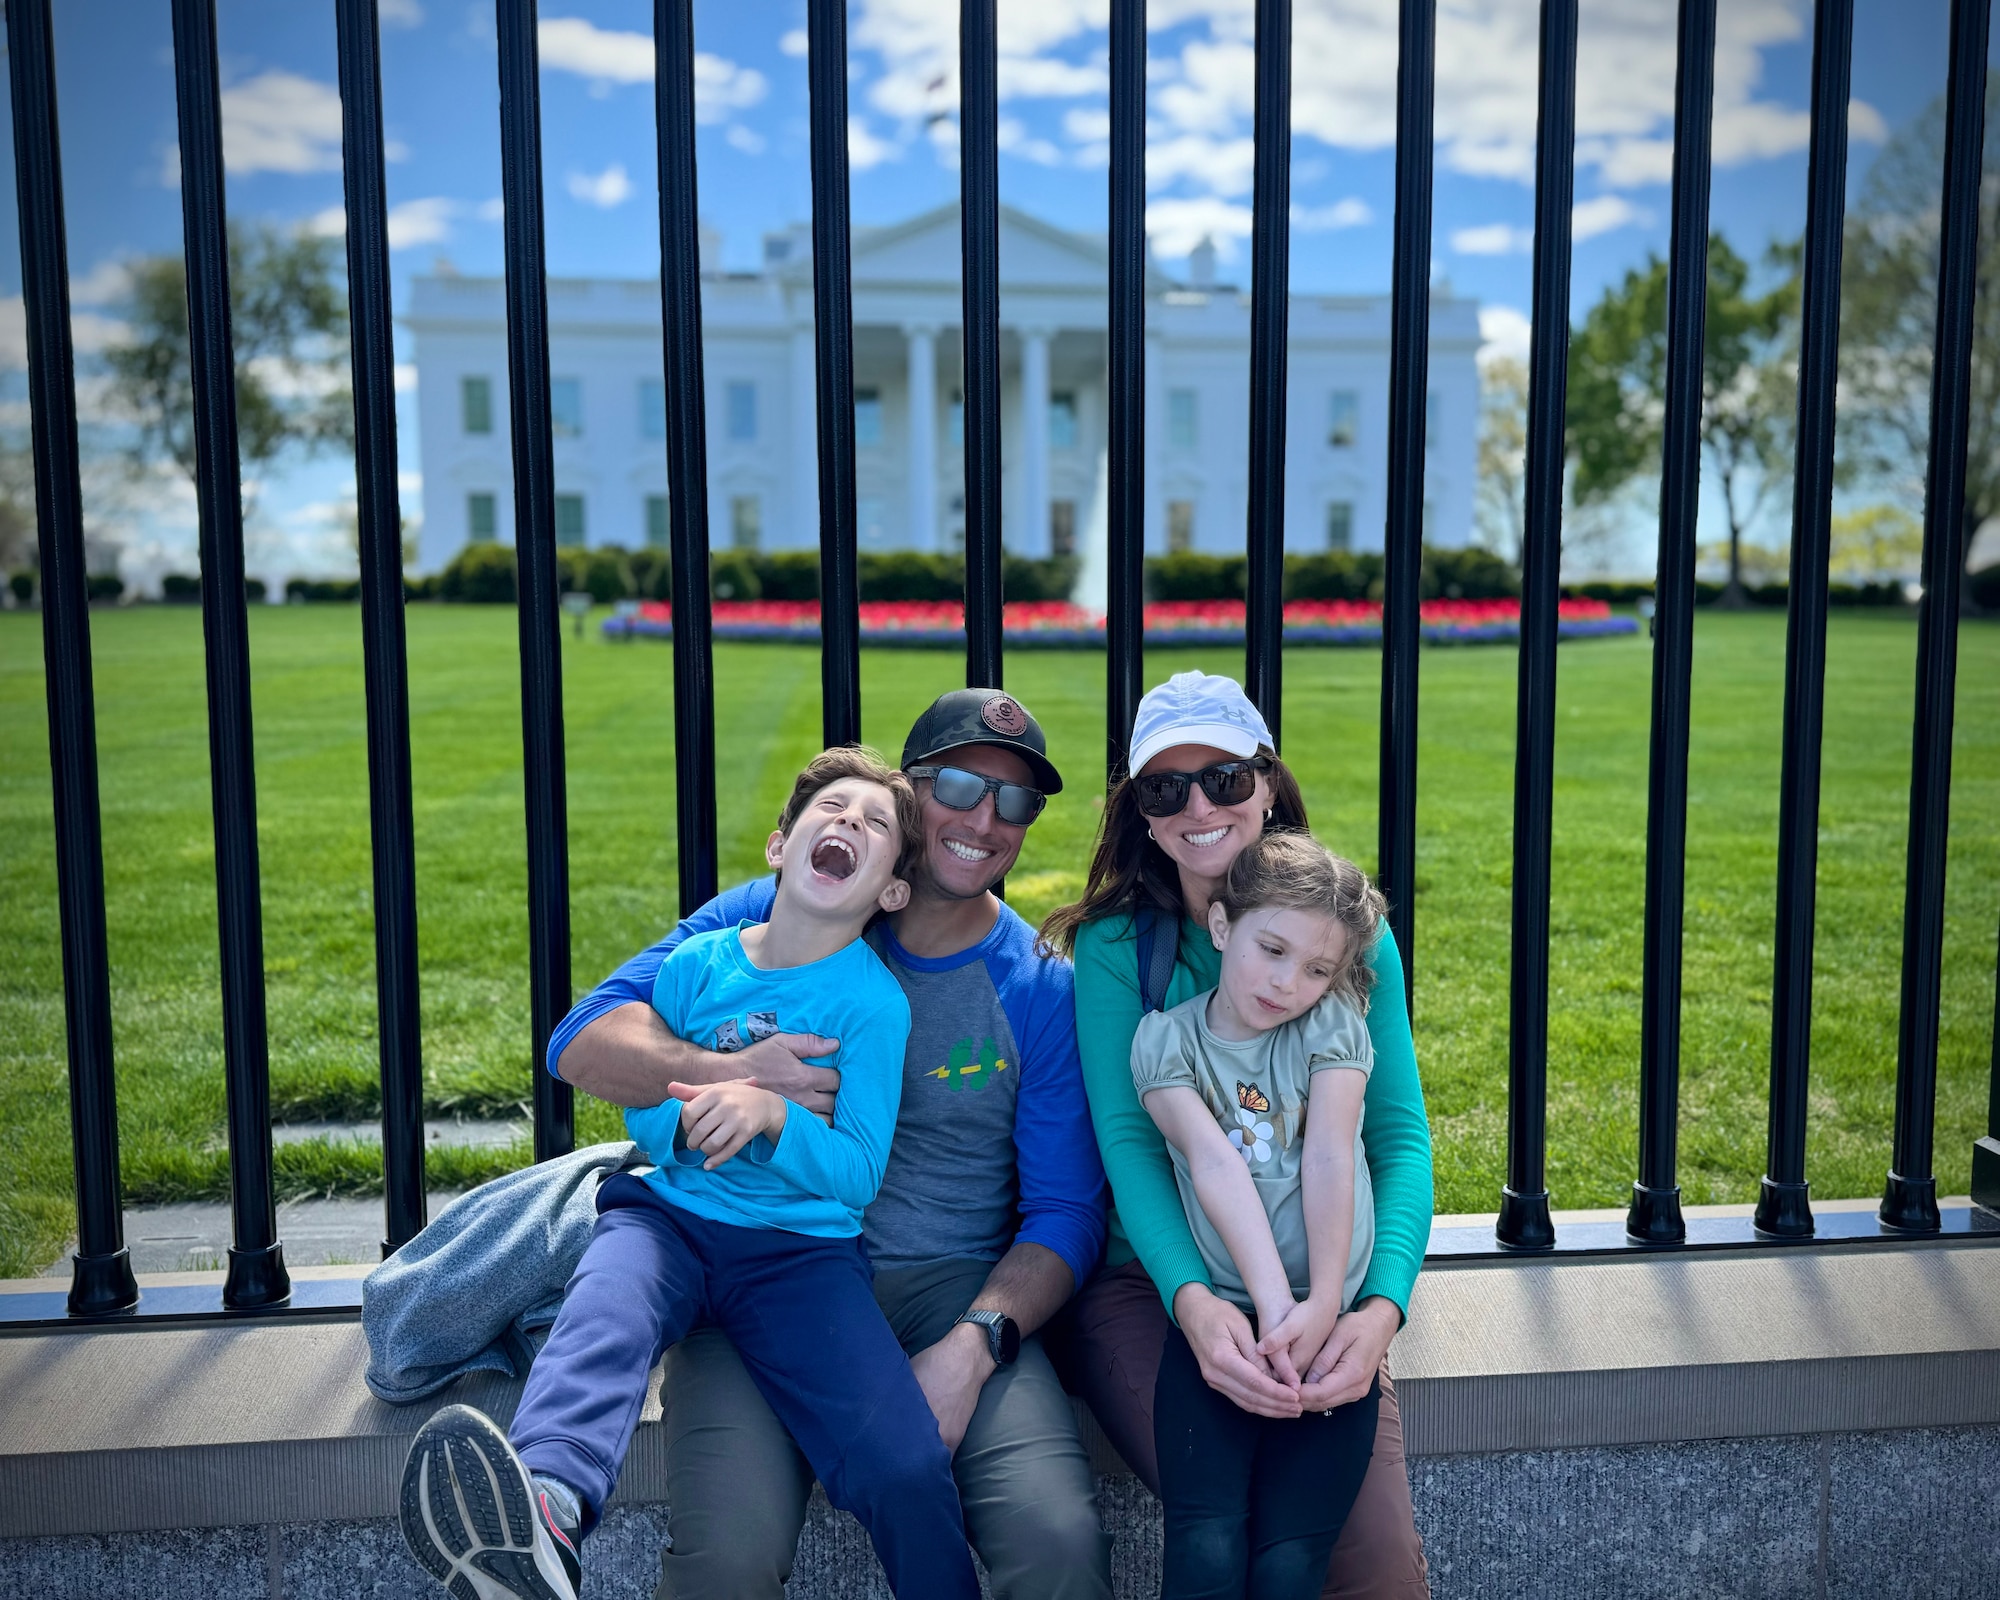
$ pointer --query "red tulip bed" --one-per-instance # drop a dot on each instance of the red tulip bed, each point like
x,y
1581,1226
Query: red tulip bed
x,y
1061,625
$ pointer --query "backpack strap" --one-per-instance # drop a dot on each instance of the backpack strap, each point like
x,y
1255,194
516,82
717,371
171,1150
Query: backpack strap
x,y
1157,949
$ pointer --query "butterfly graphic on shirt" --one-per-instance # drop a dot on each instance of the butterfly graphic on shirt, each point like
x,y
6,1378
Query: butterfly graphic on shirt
x,y
1252,1098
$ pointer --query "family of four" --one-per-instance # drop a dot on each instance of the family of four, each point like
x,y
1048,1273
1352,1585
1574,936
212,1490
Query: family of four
x,y
874,1242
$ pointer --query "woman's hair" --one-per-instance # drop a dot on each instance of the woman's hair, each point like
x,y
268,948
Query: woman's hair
x,y
843,762
1294,871
1127,869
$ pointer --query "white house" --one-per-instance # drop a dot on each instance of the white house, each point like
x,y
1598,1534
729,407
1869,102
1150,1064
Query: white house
x,y
608,402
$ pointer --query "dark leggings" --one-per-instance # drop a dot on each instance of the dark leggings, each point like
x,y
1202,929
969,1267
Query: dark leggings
x,y
1253,1504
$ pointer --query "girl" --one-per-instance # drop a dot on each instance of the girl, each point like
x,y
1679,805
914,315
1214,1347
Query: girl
x,y
1281,1209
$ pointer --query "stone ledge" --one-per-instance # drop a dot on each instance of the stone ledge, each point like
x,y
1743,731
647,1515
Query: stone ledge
x,y
147,1428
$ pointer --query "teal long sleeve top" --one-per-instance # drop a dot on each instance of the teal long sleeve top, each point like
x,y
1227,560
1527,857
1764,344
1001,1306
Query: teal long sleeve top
x,y
1147,1221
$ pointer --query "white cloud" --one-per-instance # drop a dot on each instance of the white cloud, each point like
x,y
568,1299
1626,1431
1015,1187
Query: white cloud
x,y
1221,166
1352,212
1177,226
1604,214
793,42
721,87
400,13
328,224
609,188
1503,333
1865,124
1493,239
279,122
103,284
608,56
406,383
90,333
748,140
1014,138
864,149
416,222
494,210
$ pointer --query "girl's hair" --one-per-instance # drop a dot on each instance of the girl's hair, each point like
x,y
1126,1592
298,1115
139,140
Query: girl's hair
x,y
1128,870
1298,873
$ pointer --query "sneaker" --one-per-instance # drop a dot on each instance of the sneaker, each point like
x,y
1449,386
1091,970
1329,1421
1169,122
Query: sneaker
x,y
475,1519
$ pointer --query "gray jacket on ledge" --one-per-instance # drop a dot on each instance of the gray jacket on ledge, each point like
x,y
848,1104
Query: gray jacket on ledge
x,y
477,1290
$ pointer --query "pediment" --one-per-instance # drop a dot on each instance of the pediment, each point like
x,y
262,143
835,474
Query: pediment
x,y
925,249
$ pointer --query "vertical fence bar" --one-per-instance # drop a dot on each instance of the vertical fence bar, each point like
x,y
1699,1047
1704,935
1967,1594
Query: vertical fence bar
x,y
1402,544
1784,1206
101,1271
384,658
833,337
1270,301
533,447
687,448
1909,1200
1125,500
1655,1215
979,221
256,1275
1524,1222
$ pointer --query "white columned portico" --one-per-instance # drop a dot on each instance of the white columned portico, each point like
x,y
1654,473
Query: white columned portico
x,y
1033,528
805,437
923,469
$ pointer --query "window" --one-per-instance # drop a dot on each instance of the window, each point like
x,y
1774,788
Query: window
x,y
867,418
569,519
1343,418
871,527
1062,527
1340,524
746,521
652,408
1431,419
1062,421
1429,519
955,426
475,404
656,521
1180,524
566,407
1181,419
482,517
742,411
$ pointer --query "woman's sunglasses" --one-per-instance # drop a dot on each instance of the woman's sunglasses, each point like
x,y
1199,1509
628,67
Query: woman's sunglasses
x,y
1015,803
1227,783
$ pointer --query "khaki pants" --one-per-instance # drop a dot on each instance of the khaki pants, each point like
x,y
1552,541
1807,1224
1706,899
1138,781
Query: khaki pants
x,y
1107,1343
737,1485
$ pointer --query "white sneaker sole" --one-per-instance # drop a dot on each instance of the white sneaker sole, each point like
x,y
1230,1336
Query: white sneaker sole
x,y
468,1513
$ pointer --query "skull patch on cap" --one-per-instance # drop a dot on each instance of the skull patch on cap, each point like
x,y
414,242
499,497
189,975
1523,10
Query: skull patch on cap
x,y
1004,715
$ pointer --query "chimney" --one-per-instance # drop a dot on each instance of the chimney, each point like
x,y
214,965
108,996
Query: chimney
x,y
1201,264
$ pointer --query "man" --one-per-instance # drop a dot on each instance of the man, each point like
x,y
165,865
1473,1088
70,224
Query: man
x,y
991,1211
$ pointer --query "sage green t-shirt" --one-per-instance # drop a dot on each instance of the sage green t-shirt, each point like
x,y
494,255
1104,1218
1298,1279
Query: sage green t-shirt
x,y
1258,1089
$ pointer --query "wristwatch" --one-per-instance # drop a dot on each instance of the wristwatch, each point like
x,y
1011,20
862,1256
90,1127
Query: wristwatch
x,y
1003,1338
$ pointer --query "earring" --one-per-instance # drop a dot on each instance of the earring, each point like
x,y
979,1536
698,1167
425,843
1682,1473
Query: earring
x,y
1268,815
1149,835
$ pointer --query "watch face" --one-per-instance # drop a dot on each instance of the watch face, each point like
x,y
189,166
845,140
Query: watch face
x,y
1009,1337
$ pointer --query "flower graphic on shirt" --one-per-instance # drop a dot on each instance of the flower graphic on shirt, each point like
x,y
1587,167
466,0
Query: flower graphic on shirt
x,y
1252,1137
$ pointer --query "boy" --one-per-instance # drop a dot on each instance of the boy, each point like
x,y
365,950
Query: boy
x,y
767,1248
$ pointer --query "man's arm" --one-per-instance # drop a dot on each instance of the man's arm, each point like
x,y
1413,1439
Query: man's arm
x,y
629,1055
1029,1283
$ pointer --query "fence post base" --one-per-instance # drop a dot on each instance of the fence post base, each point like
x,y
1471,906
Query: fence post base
x,y
1655,1217
1523,1223
1986,1173
1909,1205
257,1278
1783,1210
101,1284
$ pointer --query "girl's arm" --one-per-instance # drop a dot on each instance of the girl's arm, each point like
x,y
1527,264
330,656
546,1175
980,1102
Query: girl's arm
x,y
1326,1169
1228,1196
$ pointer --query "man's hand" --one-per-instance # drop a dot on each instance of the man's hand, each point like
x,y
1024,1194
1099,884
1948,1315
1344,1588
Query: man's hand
x,y
779,1064
952,1372
721,1119
1223,1342
1352,1355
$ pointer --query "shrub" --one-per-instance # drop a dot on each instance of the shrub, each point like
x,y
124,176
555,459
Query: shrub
x,y
322,591
179,588
789,574
604,574
1619,593
109,586
1190,576
420,588
652,574
254,590
911,575
1982,586
22,586
480,574
1467,574
1334,575
732,575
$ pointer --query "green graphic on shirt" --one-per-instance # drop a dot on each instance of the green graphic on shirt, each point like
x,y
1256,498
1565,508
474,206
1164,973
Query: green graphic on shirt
x,y
961,1068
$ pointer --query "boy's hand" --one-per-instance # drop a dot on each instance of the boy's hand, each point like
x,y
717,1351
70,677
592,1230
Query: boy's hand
x,y
1294,1340
779,1063
719,1119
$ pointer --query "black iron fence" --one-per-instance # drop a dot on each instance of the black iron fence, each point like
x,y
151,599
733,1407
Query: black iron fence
x,y
102,1280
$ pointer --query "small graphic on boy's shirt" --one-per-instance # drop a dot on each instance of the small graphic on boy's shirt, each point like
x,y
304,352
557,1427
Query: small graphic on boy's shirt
x,y
732,1035
962,1068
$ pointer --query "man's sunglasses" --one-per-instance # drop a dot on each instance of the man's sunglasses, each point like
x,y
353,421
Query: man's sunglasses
x,y
1227,783
962,791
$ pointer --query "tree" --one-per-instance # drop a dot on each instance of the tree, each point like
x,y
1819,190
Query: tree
x,y
1874,543
1888,316
288,317
1498,505
1618,380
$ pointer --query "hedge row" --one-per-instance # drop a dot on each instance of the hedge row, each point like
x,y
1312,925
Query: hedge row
x,y
1984,587
1470,574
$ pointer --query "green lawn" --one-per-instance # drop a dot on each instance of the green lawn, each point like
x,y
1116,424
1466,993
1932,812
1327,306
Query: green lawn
x,y
465,695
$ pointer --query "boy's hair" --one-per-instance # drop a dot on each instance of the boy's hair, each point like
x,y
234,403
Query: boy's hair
x,y
843,762
1292,869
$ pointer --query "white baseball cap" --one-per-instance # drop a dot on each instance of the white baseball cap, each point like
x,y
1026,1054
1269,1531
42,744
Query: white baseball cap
x,y
1195,708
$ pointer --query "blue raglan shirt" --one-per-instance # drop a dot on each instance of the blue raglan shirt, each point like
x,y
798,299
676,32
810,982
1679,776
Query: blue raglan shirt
x,y
814,1179
991,1062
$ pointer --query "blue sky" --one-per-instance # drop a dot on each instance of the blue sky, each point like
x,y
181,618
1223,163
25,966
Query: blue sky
x,y
282,137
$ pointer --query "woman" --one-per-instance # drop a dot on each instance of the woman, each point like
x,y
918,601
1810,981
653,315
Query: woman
x,y
1206,784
